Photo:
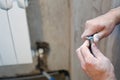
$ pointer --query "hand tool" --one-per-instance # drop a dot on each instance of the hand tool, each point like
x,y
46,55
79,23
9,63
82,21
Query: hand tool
x,y
91,40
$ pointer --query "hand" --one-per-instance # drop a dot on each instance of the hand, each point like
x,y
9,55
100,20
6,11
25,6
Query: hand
x,y
103,25
98,67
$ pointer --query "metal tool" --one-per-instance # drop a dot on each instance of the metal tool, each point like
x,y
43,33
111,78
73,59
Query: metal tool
x,y
91,40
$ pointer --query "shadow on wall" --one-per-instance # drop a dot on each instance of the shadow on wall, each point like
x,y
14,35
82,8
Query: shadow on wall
x,y
35,22
116,53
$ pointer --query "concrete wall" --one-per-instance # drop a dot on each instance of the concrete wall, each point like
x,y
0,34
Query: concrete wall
x,y
61,23
83,10
49,21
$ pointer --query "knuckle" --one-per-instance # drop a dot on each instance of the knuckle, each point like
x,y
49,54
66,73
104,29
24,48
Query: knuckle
x,y
91,23
88,22
77,50
107,60
81,48
106,33
88,62
83,67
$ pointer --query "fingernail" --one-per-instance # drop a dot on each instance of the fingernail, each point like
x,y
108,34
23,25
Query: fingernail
x,y
96,38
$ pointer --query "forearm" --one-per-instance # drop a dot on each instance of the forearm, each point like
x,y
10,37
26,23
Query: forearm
x,y
115,14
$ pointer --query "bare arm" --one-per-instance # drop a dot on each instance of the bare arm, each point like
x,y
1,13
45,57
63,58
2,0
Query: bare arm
x,y
103,25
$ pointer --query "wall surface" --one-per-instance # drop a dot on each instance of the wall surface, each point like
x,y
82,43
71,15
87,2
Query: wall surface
x,y
114,38
61,23
83,10
49,21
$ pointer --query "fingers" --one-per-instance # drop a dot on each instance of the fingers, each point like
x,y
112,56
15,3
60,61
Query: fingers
x,y
87,33
96,51
84,54
80,54
90,29
98,36
80,57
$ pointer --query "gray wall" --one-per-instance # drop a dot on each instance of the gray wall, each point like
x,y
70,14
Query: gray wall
x,y
49,21
61,23
83,10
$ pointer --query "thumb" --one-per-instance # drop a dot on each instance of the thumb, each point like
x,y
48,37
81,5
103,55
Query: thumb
x,y
98,36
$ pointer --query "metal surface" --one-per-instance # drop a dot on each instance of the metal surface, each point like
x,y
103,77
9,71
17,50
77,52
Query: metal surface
x,y
91,40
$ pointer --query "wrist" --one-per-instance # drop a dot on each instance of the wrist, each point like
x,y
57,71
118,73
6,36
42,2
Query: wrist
x,y
110,76
107,76
115,14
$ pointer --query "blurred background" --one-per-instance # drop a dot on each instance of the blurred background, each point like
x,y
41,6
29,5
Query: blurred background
x,y
57,26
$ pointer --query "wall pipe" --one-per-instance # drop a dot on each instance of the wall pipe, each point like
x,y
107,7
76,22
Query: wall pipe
x,y
27,77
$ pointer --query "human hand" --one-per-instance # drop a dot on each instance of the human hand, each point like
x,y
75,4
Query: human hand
x,y
98,67
101,26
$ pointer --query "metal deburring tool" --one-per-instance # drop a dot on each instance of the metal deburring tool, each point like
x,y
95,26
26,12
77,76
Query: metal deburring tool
x,y
91,40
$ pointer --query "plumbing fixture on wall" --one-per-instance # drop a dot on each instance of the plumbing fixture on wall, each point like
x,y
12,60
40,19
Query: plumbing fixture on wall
x,y
6,4
22,3
63,75
42,52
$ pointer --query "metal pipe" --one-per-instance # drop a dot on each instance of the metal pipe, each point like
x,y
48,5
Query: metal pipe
x,y
27,77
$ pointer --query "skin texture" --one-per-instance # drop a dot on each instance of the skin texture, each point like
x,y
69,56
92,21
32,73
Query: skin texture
x,y
103,25
98,67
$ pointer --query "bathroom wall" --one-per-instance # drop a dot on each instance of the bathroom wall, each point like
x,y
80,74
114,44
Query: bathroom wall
x,y
83,10
49,21
61,23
